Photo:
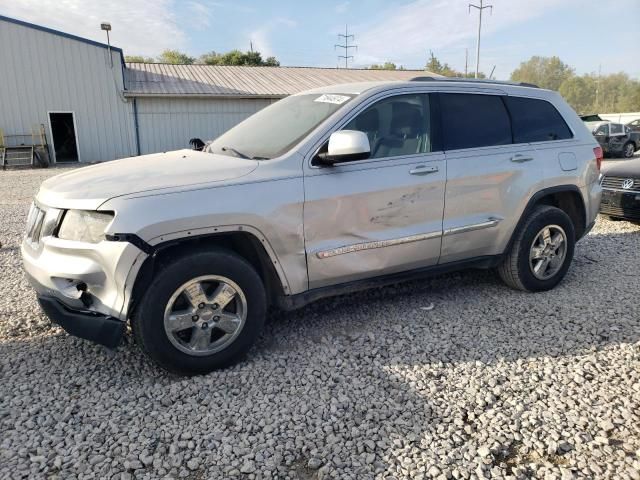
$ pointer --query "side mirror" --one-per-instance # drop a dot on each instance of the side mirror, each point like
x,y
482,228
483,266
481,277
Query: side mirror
x,y
345,146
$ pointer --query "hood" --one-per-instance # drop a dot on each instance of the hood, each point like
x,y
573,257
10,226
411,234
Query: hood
x,y
89,187
622,168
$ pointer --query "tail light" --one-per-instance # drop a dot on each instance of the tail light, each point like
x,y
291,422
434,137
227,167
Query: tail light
x,y
597,151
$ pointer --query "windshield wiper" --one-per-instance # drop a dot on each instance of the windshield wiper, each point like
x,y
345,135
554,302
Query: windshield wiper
x,y
235,152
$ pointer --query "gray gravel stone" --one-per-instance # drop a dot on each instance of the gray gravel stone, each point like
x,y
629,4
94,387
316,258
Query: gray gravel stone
x,y
490,383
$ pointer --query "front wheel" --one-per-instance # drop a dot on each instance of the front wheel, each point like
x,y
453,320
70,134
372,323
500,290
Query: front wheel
x,y
541,252
201,312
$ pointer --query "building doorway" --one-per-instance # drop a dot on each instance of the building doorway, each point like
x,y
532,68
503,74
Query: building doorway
x,y
63,137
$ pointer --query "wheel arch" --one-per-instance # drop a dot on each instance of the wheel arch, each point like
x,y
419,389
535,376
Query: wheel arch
x,y
567,198
247,244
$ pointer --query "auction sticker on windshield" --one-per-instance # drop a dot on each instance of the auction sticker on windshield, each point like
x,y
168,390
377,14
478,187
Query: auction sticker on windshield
x,y
330,98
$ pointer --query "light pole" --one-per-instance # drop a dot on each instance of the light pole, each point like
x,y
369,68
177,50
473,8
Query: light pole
x,y
480,8
106,26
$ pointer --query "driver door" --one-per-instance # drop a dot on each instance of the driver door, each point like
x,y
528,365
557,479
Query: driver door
x,y
382,215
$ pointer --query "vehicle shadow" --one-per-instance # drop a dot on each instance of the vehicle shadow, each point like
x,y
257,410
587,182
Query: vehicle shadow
x,y
372,382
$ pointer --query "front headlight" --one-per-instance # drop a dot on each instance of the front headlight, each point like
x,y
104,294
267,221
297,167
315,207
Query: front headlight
x,y
84,225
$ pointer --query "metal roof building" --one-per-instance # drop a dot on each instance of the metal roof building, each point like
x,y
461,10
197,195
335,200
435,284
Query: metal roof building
x,y
177,102
93,107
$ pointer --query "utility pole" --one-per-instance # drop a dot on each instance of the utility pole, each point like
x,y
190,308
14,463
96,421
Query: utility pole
x,y
597,105
466,61
251,45
346,46
480,9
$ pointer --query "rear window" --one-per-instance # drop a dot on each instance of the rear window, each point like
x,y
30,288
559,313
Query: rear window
x,y
535,121
473,120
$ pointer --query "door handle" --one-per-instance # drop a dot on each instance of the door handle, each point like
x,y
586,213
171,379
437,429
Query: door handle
x,y
423,170
521,158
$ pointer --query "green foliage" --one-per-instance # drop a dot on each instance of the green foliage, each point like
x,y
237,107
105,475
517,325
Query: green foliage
x,y
385,66
237,57
138,59
546,72
175,57
580,93
435,66
585,93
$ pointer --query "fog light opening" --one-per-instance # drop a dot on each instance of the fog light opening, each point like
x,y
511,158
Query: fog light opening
x,y
70,287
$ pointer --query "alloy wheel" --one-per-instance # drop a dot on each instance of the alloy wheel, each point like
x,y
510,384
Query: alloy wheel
x,y
628,150
205,315
548,252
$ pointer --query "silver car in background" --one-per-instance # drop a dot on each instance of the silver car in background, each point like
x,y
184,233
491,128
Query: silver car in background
x,y
322,193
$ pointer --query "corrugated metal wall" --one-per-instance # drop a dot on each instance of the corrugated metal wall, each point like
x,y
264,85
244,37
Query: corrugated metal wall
x,y
168,123
42,72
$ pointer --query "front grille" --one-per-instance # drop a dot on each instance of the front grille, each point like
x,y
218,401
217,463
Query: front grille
x,y
615,183
617,211
41,222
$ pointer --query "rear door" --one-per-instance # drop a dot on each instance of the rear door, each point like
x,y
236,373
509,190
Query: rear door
x,y
617,137
382,215
601,134
489,178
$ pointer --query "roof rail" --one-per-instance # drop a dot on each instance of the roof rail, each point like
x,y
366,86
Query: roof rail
x,y
472,80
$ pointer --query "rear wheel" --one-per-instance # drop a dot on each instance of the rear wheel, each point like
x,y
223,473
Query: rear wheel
x,y
628,150
202,312
541,252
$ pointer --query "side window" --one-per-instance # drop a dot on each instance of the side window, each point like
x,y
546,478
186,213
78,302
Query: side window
x,y
616,129
396,126
602,129
536,121
473,120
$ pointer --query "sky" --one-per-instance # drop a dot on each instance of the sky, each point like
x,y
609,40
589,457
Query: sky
x,y
587,34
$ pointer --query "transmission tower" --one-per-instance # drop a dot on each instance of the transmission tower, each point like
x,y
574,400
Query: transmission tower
x,y
346,46
480,9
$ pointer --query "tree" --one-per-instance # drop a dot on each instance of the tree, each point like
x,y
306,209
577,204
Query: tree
x,y
546,72
175,57
138,59
385,66
237,57
435,66
580,93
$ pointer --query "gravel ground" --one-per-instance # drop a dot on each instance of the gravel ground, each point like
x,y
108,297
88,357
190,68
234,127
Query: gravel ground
x,y
488,383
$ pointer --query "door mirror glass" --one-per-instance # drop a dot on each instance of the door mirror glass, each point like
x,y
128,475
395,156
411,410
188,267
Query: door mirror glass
x,y
345,146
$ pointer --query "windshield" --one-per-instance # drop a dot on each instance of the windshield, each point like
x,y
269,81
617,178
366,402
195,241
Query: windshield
x,y
277,128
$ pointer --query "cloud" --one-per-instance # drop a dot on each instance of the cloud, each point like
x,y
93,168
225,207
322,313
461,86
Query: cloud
x,y
342,7
260,36
200,15
260,40
141,27
407,33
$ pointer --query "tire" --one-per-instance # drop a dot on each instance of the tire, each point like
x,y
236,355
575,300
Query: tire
x,y
628,150
162,322
517,269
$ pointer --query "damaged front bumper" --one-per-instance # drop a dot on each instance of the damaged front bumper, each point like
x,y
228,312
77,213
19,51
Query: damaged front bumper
x,y
81,286
93,326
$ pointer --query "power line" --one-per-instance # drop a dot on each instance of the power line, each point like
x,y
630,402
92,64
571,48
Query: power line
x,y
480,9
346,46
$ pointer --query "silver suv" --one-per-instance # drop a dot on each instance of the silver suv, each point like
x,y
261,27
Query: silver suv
x,y
322,193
